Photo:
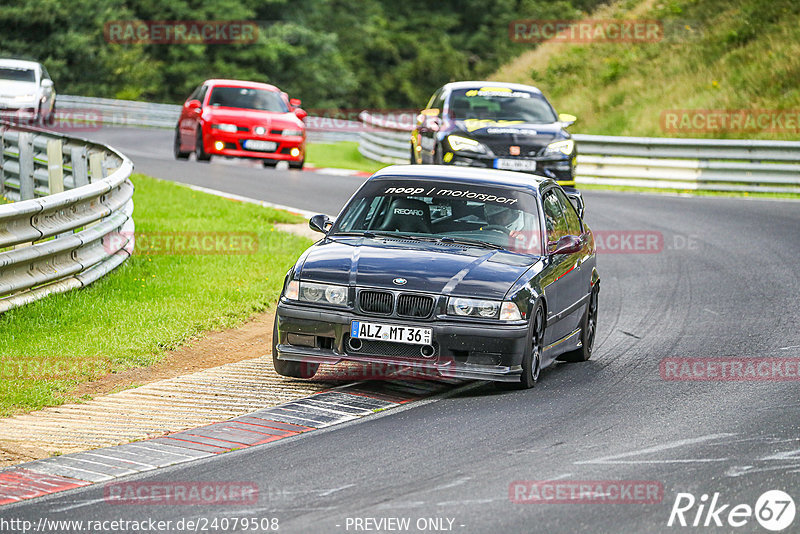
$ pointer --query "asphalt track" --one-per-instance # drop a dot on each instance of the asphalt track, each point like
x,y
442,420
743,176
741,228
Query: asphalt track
x,y
724,284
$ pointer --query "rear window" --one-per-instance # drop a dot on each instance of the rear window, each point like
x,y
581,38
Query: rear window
x,y
247,98
17,75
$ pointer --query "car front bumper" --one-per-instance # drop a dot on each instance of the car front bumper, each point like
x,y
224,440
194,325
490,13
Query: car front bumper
x,y
462,350
232,145
560,169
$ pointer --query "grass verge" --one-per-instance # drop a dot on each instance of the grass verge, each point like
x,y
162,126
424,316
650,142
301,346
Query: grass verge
x,y
341,155
152,303
713,55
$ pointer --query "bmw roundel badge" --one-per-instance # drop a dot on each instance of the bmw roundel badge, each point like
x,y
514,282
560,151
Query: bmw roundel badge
x,y
399,281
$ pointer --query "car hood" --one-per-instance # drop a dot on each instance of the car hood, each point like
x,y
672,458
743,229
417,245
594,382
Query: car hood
x,y
252,117
427,267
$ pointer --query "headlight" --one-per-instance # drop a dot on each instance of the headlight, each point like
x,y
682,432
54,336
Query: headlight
x,y
292,132
312,292
486,309
564,147
465,144
232,128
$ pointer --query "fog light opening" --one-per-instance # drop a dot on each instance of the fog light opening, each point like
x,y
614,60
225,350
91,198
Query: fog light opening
x,y
219,145
354,343
427,351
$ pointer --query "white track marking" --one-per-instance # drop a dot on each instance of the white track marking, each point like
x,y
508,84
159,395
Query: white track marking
x,y
615,459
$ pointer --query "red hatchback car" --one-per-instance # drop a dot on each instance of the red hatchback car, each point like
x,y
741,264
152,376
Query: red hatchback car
x,y
242,119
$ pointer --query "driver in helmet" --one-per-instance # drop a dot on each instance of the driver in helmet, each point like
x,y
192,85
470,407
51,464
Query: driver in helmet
x,y
512,220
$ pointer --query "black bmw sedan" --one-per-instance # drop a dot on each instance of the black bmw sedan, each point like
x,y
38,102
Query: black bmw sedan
x,y
495,125
469,273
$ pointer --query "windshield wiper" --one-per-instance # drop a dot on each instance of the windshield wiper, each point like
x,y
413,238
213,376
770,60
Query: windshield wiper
x,y
401,236
467,241
371,234
358,234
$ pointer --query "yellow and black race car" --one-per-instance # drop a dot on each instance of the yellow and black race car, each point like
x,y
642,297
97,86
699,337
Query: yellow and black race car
x,y
495,125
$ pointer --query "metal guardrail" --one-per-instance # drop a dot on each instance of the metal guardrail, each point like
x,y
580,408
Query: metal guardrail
x,y
70,220
121,112
667,163
112,112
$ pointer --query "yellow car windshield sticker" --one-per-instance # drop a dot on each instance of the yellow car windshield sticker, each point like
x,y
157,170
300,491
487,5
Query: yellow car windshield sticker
x,y
497,91
477,124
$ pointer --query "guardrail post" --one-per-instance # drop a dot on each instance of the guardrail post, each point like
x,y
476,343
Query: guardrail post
x,y
2,161
55,166
80,174
26,184
96,167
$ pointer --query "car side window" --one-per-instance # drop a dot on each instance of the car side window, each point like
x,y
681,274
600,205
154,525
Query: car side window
x,y
554,219
45,74
202,95
573,221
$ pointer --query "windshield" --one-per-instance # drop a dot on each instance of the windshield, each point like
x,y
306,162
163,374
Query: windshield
x,y
246,98
447,211
498,103
17,75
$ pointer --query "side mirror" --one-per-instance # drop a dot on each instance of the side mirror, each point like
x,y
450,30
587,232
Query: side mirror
x,y
577,201
295,102
300,113
194,105
320,223
569,244
47,83
566,119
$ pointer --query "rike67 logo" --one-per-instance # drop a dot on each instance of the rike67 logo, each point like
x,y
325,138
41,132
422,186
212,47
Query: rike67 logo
x,y
774,510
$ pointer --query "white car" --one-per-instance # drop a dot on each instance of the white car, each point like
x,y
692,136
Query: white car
x,y
26,91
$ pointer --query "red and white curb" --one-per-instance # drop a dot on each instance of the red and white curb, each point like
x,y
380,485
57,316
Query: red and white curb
x,y
322,410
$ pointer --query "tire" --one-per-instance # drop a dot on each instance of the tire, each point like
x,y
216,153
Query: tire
x,y
297,164
588,332
288,368
199,151
269,163
413,157
532,360
176,147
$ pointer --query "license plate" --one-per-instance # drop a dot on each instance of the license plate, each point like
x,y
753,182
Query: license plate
x,y
395,334
515,164
264,146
